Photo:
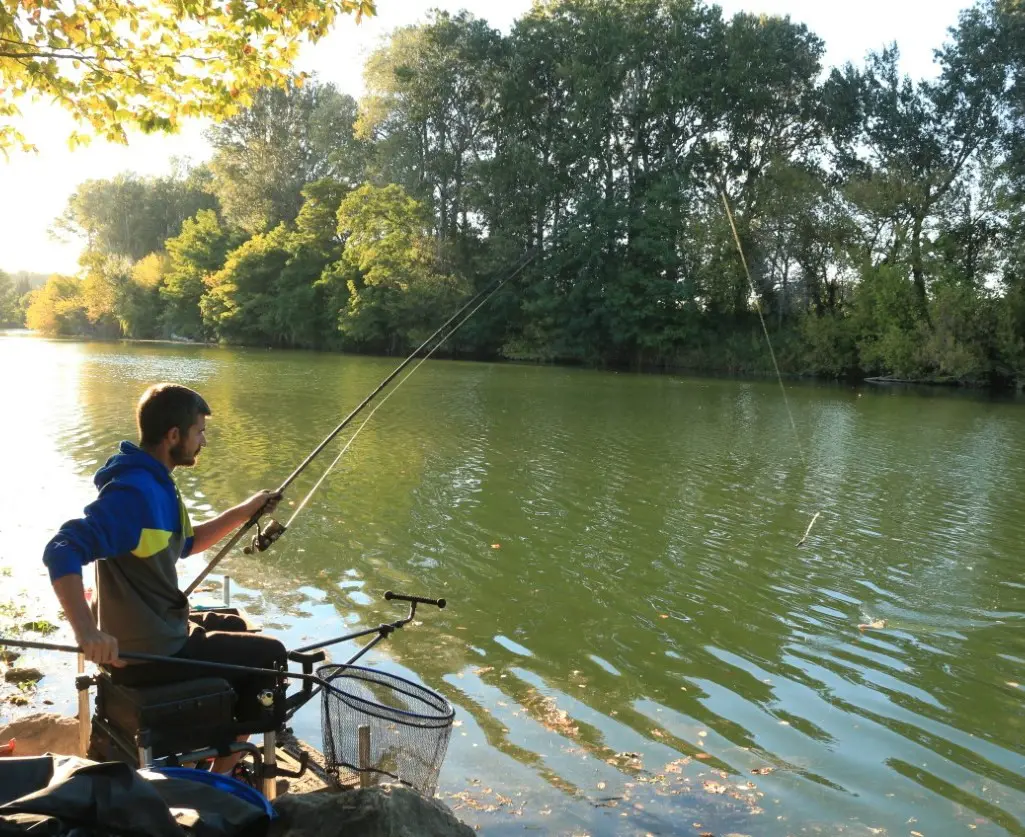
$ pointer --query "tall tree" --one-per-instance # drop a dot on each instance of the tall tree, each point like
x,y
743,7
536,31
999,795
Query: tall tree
x,y
914,146
430,103
198,251
132,216
267,153
397,294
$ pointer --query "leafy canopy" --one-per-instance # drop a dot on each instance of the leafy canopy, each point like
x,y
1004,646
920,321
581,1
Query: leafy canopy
x,y
146,64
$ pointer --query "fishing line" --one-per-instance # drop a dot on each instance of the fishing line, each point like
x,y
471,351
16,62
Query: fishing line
x,y
394,389
772,354
275,530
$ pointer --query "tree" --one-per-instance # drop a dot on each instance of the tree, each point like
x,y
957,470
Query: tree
x,y
914,146
198,251
10,309
431,98
150,65
286,139
397,295
269,290
58,308
132,216
240,302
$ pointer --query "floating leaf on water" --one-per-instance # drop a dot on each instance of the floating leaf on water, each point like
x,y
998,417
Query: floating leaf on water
x,y
663,616
917,834
702,734
763,771
496,546
601,786
876,625
714,787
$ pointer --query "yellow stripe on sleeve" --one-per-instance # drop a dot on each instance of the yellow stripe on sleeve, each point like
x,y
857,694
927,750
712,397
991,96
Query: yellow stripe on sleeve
x,y
151,541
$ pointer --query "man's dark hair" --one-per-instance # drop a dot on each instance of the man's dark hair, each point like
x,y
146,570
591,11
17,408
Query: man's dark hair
x,y
164,406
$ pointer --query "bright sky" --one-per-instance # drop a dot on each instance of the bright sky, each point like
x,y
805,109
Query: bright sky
x,y
34,188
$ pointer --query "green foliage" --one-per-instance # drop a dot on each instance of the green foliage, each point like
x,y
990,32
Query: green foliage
x,y
147,65
10,303
267,153
132,216
240,302
397,294
880,216
829,346
197,252
58,308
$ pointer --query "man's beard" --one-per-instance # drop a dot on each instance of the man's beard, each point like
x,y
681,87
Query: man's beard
x,y
179,457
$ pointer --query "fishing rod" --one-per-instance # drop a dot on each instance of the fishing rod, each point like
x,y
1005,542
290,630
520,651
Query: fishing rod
x,y
382,631
274,530
157,658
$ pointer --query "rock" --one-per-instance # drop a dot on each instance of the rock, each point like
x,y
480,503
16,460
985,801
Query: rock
x,y
43,732
23,675
383,811
8,655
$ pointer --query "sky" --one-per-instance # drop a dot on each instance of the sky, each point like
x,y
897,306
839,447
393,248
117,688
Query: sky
x,y
34,188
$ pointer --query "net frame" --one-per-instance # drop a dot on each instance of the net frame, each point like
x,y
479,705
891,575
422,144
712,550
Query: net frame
x,y
375,723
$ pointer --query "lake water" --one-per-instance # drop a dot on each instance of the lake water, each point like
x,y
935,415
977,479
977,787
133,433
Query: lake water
x,y
634,642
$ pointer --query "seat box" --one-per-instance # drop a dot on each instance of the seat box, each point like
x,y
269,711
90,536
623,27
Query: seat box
x,y
181,716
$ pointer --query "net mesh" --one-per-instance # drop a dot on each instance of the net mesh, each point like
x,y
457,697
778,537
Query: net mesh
x,y
407,727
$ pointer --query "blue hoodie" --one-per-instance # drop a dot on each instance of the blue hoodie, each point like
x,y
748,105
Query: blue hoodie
x,y
139,527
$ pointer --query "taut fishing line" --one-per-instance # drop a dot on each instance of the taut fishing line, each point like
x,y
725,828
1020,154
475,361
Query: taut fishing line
x,y
394,389
772,354
264,538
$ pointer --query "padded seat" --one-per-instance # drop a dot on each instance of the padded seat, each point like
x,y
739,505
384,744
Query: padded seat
x,y
167,719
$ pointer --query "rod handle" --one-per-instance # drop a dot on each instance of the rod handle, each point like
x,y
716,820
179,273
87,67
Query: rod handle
x,y
390,596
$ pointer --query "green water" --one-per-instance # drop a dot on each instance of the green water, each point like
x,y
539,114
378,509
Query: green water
x,y
631,625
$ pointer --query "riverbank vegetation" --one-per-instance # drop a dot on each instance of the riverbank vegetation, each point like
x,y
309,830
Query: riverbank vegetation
x,y
882,216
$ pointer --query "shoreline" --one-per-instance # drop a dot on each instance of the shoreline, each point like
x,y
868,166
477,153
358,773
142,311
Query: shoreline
x,y
1011,388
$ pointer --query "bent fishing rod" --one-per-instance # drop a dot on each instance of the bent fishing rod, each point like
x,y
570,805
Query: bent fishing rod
x,y
265,537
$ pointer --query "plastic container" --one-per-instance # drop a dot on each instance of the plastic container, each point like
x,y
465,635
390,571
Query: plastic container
x,y
221,782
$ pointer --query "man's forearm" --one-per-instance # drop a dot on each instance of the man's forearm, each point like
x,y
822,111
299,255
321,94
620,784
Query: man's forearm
x,y
71,594
205,535
97,646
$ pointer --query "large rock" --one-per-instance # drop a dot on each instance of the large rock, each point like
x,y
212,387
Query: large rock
x,y
43,732
384,811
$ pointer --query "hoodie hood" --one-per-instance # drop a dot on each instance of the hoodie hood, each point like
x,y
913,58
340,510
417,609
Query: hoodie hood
x,y
130,457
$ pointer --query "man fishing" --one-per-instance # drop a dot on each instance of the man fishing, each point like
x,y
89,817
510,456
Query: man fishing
x,y
136,530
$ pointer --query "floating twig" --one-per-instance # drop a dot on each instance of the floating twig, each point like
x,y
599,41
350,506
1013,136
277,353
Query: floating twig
x,y
806,531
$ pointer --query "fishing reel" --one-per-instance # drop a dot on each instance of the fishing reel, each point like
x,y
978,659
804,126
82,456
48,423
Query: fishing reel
x,y
264,537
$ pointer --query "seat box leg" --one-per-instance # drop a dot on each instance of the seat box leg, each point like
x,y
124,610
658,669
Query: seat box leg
x,y
270,764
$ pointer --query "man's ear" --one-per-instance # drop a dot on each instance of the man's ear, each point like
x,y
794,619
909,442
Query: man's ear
x,y
174,436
